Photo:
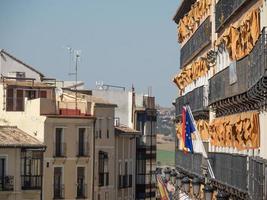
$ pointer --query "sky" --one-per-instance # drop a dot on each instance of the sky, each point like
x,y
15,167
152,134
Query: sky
x,y
122,42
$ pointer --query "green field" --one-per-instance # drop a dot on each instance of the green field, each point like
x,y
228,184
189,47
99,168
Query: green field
x,y
165,157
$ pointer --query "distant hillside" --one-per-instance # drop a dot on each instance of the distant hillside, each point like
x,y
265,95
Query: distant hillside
x,y
165,125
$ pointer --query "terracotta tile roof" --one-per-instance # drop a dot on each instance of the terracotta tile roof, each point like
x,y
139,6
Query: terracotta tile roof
x,y
122,129
11,136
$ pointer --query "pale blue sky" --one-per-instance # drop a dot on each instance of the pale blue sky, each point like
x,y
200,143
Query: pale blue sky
x,y
122,41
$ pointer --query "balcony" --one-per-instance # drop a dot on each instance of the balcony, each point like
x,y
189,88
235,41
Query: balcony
x,y
200,39
196,99
60,150
243,90
103,179
189,162
81,191
230,169
232,172
31,182
59,191
82,149
7,183
225,9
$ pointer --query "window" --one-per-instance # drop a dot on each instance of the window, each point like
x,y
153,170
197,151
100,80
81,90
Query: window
x,y
59,145
43,94
103,169
107,128
58,183
82,144
100,128
19,100
31,169
6,182
81,182
30,94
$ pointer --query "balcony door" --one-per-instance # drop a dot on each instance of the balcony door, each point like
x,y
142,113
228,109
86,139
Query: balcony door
x,y
2,172
59,142
81,142
80,182
58,182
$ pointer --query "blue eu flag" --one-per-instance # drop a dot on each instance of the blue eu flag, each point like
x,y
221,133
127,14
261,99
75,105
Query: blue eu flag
x,y
189,129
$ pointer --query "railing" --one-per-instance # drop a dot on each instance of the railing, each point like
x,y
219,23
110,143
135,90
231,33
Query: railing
x,y
130,180
59,191
189,162
7,183
82,149
81,191
249,71
257,178
230,169
225,9
31,182
197,100
103,179
60,150
200,39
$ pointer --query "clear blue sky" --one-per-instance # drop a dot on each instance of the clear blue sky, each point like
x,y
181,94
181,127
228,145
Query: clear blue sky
x,y
122,41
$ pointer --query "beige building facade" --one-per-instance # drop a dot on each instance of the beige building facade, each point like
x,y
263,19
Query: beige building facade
x,y
21,160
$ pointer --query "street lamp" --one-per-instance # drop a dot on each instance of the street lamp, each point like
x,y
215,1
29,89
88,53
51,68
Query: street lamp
x,y
186,184
196,186
167,172
222,196
179,179
208,192
173,176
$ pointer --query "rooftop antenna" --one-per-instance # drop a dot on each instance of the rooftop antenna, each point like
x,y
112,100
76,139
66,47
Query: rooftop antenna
x,y
70,50
77,54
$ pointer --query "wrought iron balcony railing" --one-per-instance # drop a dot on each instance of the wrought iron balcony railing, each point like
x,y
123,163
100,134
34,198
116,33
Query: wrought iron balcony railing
x,y
233,172
230,169
59,191
225,9
103,179
7,183
249,72
60,149
196,99
200,39
81,191
31,182
82,149
189,162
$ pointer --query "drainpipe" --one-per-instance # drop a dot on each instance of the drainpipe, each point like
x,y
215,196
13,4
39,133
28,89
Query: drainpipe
x,y
93,161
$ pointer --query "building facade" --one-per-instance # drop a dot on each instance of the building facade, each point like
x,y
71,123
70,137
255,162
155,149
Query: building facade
x,y
21,165
137,111
222,78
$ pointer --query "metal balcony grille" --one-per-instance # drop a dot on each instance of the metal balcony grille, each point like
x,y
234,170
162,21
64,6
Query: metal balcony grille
x,y
200,39
189,162
230,169
224,10
249,72
257,178
196,99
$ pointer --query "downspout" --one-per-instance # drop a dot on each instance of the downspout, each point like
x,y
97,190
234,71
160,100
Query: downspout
x,y
93,161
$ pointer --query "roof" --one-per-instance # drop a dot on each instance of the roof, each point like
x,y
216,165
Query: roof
x,y
31,84
90,98
185,7
122,129
11,136
26,65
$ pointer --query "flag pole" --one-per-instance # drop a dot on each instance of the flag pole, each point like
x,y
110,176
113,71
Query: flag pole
x,y
204,153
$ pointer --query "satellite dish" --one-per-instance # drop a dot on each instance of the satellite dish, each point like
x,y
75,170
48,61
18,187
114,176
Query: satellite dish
x,y
58,91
